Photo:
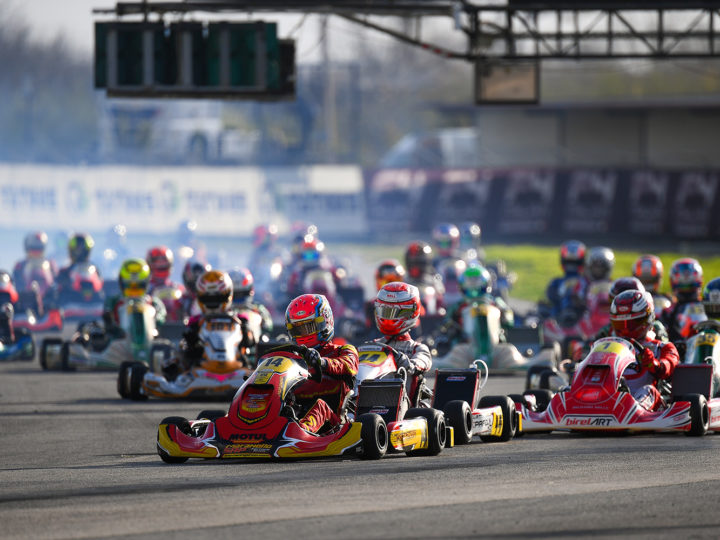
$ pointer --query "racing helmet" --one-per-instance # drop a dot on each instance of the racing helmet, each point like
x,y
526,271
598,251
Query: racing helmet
x,y
711,299
311,251
192,270
397,308
475,281
649,270
470,235
419,259
35,244
388,271
214,292
79,247
632,314
446,238
243,284
265,235
309,320
686,278
572,257
625,284
160,259
133,278
600,263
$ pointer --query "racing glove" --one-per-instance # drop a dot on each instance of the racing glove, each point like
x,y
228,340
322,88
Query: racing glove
x,y
403,361
313,358
652,364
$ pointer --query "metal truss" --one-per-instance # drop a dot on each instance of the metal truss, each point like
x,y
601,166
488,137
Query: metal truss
x,y
517,30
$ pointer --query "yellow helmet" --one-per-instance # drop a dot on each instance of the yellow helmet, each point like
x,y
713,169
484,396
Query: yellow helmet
x,y
134,277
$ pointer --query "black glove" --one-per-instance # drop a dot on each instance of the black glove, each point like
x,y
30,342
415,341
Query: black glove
x,y
313,358
403,361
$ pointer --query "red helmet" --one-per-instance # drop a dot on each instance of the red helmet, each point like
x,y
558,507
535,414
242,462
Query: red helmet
x,y
446,238
625,284
214,292
631,314
649,270
397,308
309,320
686,277
264,235
572,256
191,272
418,259
160,260
388,271
311,250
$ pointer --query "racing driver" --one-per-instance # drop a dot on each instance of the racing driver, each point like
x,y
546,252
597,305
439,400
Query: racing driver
x,y
309,321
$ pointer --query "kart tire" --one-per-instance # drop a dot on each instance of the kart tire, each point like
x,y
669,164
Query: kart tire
x,y
510,424
46,343
137,374
436,431
65,357
211,414
459,416
184,426
374,435
699,414
123,381
30,354
542,397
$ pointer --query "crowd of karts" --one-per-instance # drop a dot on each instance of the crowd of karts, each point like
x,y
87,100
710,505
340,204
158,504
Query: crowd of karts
x,y
573,363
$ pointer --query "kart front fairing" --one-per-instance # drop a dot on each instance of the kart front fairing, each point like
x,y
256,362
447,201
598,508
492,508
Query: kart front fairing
x,y
21,348
257,424
599,400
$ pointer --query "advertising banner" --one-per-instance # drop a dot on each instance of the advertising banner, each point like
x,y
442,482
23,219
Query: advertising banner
x,y
527,202
691,213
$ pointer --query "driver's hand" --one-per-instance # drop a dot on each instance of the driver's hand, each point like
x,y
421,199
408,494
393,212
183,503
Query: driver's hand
x,y
313,358
404,361
652,364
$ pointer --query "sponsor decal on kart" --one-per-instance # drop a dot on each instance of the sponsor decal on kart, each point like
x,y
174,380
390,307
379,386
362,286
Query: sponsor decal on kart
x,y
372,358
255,402
456,378
589,421
379,410
247,450
483,424
708,339
714,418
247,437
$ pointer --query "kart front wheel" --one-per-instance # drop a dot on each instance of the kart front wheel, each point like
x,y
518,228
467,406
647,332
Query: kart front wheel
x,y
123,381
509,417
699,414
46,344
65,357
184,426
459,416
542,398
374,436
137,374
436,431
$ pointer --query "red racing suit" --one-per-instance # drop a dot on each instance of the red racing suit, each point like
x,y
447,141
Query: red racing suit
x,y
658,361
340,366
418,359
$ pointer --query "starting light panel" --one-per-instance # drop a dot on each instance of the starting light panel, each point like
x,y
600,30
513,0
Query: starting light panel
x,y
192,59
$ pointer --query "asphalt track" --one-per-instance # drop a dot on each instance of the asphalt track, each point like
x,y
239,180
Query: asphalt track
x,y
78,462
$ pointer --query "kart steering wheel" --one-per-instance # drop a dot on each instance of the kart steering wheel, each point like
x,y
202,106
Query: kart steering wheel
x,y
640,348
300,350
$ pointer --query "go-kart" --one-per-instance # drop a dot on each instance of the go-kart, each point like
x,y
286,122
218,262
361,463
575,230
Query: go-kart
x,y
703,348
262,421
488,341
381,389
222,370
22,348
457,393
92,347
686,318
598,398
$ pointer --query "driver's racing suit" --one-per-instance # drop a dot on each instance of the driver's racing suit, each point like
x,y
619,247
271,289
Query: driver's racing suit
x,y
414,356
339,368
658,362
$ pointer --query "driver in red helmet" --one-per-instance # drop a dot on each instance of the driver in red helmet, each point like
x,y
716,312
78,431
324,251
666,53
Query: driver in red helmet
x,y
397,311
631,316
309,321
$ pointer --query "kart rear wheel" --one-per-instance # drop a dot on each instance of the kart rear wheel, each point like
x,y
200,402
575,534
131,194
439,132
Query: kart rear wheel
x,y
699,414
542,397
28,352
211,414
65,357
137,374
46,344
509,424
459,415
184,426
123,381
374,436
436,431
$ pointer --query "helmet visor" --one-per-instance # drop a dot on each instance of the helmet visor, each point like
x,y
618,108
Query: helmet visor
x,y
394,312
135,289
634,328
307,327
213,301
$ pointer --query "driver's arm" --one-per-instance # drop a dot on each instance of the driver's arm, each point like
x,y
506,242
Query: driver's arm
x,y
344,361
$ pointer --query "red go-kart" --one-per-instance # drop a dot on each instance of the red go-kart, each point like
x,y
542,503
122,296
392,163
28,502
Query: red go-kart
x,y
262,421
598,398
